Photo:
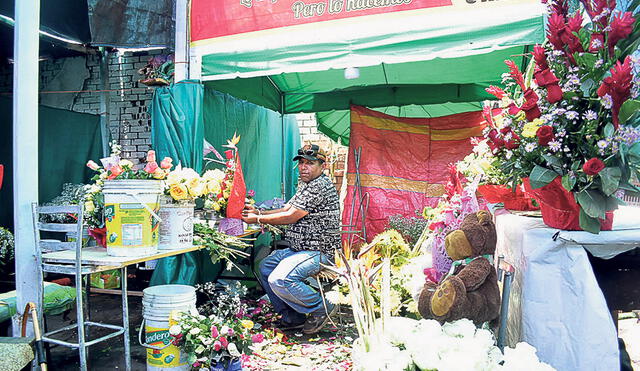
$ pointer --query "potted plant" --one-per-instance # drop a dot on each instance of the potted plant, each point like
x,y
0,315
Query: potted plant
x,y
568,125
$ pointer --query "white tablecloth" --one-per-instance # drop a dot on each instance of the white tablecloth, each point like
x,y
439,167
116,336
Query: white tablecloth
x,y
556,304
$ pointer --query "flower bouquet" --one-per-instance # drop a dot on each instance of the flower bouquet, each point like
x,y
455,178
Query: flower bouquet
x,y
569,123
226,194
181,187
118,182
213,342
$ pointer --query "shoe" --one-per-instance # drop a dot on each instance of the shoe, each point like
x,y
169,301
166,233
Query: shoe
x,y
286,326
315,322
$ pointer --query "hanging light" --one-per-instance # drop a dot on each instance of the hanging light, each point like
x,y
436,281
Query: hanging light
x,y
351,73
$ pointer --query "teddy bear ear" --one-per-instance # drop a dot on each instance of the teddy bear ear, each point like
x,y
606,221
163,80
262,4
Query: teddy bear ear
x,y
484,217
457,245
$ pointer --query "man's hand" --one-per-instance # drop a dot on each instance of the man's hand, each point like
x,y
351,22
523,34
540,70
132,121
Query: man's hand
x,y
249,208
249,217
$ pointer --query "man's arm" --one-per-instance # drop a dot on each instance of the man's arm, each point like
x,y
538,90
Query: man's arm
x,y
251,209
288,215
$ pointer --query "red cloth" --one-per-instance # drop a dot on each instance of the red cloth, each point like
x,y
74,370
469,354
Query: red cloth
x,y
403,165
1,175
517,200
235,203
559,208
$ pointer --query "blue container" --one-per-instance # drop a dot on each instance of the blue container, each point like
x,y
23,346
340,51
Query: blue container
x,y
231,365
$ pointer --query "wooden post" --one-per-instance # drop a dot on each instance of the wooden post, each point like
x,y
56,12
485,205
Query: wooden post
x,y
25,151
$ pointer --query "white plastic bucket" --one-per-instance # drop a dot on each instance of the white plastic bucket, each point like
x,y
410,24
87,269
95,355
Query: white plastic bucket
x,y
131,216
176,229
157,304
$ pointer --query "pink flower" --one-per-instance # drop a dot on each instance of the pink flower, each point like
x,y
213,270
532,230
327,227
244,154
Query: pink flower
x,y
436,225
217,345
228,154
92,165
196,364
166,163
257,338
151,156
114,171
515,73
151,167
214,331
251,193
555,30
230,332
224,342
495,91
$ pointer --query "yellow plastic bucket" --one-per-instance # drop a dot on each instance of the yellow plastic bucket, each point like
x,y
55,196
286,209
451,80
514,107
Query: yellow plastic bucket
x,y
131,216
158,303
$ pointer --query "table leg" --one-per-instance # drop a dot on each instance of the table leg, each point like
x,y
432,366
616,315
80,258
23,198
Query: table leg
x,y
125,319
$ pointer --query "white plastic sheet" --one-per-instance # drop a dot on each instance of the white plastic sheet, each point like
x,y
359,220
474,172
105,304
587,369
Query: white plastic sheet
x,y
556,304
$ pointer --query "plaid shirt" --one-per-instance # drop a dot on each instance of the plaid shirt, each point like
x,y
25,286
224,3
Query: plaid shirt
x,y
320,229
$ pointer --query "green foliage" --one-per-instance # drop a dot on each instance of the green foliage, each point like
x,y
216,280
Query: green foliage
x,y
409,227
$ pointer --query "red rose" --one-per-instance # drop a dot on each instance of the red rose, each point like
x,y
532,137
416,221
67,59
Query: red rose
x,y
545,135
593,166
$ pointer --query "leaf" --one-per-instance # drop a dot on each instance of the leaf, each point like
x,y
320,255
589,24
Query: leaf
x,y
568,181
554,162
587,86
627,110
541,176
608,130
634,152
611,203
588,223
610,177
591,202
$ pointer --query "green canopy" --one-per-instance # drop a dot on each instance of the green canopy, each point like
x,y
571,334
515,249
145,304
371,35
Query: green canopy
x,y
420,58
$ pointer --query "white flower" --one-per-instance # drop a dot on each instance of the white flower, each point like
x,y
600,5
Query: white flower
x,y
523,358
233,350
607,102
508,154
175,330
194,331
459,328
529,147
555,146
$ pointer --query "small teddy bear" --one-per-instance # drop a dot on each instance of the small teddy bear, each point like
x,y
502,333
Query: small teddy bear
x,y
471,289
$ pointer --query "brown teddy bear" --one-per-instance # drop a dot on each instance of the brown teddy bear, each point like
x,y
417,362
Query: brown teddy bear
x,y
472,290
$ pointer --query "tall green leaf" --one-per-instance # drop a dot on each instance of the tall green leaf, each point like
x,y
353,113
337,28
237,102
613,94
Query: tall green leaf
x,y
610,177
592,203
541,176
588,223
634,153
609,130
627,110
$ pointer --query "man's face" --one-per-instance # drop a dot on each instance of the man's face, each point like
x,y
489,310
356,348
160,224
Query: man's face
x,y
309,170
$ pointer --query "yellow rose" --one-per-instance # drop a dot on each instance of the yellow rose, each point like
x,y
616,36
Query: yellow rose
x,y
174,177
89,206
196,187
159,173
529,130
213,186
126,164
178,192
538,122
247,324
215,206
521,116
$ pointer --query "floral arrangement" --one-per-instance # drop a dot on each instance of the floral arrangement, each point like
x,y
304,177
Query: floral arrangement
x,y
210,340
220,182
570,121
183,184
481,163
158,71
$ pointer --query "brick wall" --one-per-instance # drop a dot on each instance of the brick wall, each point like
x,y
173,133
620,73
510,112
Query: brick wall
x,y
309,134
128,120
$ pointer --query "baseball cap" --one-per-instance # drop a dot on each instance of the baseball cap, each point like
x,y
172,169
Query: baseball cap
x,y
311,152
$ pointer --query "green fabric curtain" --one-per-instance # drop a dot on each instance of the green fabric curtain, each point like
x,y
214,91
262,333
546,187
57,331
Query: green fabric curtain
x,y
177,132
66,141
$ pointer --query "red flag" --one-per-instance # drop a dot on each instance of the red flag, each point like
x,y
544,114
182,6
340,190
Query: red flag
x,y
238,192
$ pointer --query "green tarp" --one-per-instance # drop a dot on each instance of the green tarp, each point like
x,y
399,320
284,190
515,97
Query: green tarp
x,y
66,141
182,115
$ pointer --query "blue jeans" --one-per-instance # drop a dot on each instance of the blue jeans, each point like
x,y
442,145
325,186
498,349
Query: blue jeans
x,y
282,275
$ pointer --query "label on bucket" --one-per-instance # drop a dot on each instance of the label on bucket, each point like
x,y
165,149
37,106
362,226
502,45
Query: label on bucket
x,y
131,225
166,358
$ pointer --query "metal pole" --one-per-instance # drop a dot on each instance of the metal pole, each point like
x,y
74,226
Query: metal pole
x,y
25,151
104,101
182,43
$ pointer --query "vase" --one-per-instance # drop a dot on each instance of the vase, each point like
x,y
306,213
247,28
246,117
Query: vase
x,y
232,365
518,200
559,208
